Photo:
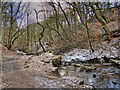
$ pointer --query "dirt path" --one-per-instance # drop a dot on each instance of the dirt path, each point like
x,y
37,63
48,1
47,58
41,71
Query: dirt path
x,y
13,74
25,72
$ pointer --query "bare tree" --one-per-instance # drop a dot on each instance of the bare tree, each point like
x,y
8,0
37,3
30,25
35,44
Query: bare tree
x,y
43,30
15,12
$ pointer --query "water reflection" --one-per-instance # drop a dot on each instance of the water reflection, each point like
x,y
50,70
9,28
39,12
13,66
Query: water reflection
x,y
105,75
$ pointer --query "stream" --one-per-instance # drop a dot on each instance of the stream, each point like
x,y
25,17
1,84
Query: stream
x,y
106,75
92,68
80,68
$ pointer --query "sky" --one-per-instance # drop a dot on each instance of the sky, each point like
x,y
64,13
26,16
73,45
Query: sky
x,y
62,0
36,5
32,16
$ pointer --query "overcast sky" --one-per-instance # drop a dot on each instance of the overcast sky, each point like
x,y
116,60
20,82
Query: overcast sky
x,y
35,4
63,0
32,16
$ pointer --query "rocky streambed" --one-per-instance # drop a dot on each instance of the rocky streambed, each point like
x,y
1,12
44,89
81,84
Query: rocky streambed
x,y
105,75
79,68
82,75
99,69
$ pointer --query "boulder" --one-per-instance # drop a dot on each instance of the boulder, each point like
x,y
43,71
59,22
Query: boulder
x,y
88,87
55,71
81,81
63,72
56,60
102,60
114,82
49,57
46,61
76,65
3,56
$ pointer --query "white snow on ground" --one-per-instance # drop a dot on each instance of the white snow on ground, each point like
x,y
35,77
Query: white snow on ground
x,y
85,54
20,52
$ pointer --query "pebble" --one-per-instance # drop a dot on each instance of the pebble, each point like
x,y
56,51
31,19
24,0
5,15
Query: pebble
x,y
94,75
114,82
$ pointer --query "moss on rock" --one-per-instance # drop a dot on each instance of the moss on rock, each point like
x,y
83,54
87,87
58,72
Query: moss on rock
x,y
88,68
76,65
57,61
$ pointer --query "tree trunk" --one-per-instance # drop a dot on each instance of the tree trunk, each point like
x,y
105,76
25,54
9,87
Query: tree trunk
x,y
41,34
27,34
41,45
11,28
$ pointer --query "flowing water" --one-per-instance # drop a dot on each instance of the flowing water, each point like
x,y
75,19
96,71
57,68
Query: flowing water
x,y
101,74
106,75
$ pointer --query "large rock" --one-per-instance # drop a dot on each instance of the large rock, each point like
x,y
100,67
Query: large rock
x,y
76,65
49,57
56,60
63,71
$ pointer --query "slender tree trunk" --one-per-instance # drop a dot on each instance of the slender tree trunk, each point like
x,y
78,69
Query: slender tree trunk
x,y
1,5
91,48
75,22
41,45
4,32
27,33
64,13
11,28
88,34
